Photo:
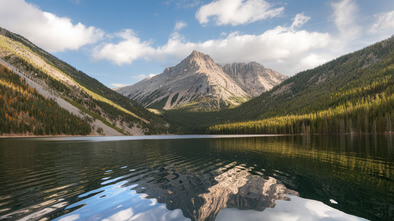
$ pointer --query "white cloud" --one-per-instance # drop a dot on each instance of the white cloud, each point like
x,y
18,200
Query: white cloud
x,y
143,76
126,51
236,12
384,23
116,85
299,20
45,29
179,25
284,49
280,48
345,19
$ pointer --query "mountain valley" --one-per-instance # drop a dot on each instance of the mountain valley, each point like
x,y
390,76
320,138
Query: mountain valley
x,y
351,94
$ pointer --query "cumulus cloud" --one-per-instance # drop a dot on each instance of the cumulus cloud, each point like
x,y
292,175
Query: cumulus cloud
x,y
236,12
285,49
45,29
384,23
129,48
179,25
299,20
280,48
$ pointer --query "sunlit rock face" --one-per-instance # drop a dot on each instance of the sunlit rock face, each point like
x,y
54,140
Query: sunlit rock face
x,y
253,77
198,83
237,188
201,196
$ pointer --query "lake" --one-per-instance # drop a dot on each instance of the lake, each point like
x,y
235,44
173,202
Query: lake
x,y
197,178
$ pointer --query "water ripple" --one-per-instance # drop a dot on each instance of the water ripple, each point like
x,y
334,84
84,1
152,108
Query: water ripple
x,y
105,178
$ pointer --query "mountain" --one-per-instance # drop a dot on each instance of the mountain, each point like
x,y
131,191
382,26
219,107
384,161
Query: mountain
x,y
105,111
253,77
353,93
198,83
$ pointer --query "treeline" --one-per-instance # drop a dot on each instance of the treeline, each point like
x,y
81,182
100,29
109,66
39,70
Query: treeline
x,y
368,115
362,73
24,111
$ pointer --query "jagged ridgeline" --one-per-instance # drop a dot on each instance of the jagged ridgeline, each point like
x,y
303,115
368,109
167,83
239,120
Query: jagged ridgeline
x,y
198,84
107,112
353,93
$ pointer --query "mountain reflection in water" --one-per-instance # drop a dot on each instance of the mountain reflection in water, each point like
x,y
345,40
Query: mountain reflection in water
x,y
202,196
198,179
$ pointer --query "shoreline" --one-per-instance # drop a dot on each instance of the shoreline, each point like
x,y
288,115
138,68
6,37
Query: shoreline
x,y
217,135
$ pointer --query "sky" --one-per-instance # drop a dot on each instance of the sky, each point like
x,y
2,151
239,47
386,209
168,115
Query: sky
x,y
121,42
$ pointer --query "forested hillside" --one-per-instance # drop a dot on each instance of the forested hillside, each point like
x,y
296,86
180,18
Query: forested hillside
x,y
24,111
90,96
353,93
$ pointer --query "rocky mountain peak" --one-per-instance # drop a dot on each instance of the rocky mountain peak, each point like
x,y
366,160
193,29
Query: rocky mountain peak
x,y
198,55
198,83
200,61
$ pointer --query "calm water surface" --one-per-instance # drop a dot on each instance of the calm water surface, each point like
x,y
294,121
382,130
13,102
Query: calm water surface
x,y
197,178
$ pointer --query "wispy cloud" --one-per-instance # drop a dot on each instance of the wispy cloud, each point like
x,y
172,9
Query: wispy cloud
x,y
384,23
236,12
117,85
345,19
179,25
183,3
299,20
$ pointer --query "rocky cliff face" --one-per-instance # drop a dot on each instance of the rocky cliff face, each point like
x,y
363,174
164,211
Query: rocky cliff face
x,y
253,77
198,83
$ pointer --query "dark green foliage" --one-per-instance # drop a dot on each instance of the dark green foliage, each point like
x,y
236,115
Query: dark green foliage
x,y
369,115
160,104
24,111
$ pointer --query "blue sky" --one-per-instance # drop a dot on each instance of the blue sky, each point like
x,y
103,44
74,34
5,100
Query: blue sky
x,y
120,42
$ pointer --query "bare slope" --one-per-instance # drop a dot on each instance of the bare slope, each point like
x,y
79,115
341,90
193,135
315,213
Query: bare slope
x,y
253,77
